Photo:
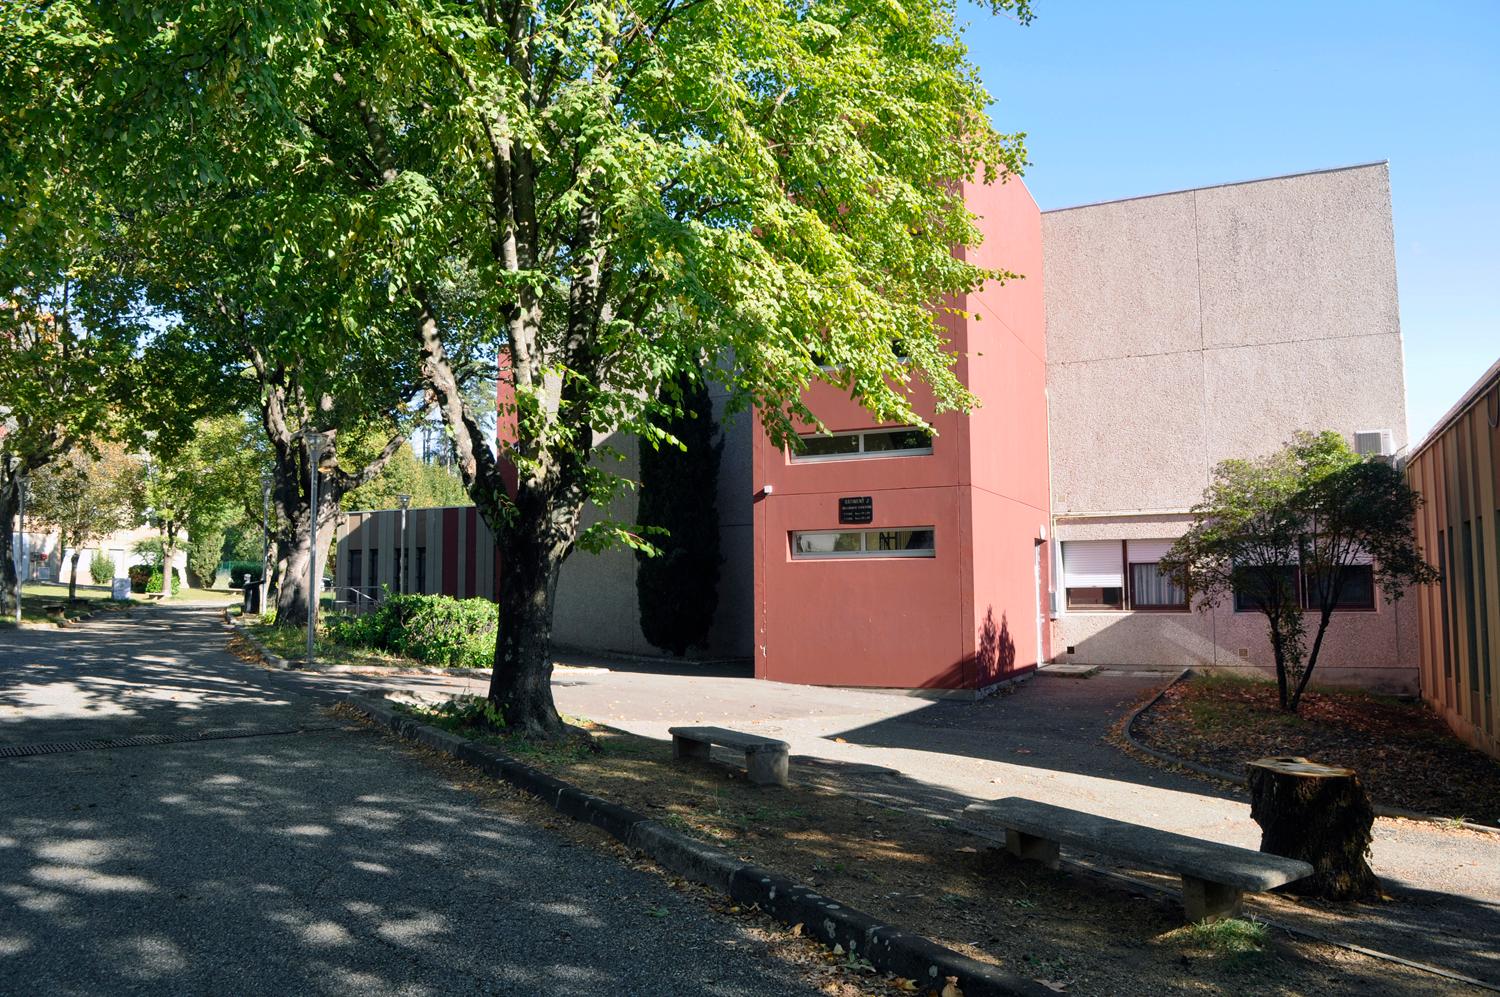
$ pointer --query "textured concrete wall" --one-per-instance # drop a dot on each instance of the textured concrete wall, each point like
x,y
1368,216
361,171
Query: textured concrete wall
x,y
1187,328
597,608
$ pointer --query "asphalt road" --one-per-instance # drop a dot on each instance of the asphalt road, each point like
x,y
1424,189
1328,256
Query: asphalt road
x,y
325,861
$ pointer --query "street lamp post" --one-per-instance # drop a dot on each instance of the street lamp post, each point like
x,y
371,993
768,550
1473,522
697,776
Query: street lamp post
x,y
265,538
19,554
317,443
405,502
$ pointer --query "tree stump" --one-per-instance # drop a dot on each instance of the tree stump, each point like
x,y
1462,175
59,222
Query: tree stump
x,y
1318,814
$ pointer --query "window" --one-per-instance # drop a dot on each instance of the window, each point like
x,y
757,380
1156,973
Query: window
x,y
1306,588
905,441
420,582
396,570
1443,602
356,566
1471,630
374,577
1253,587
1356,592
1150,589
1093,574
903,542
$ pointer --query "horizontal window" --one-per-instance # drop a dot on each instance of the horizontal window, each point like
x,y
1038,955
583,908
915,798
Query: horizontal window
x,y
1119,575
914,541
1304,588
906,441
1095,597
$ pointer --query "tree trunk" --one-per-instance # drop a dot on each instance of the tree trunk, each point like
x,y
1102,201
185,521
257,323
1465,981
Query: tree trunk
x,y
73,578
535,543
293,596
1320,815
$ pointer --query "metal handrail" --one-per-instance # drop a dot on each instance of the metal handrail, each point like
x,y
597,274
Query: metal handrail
x,y
362,602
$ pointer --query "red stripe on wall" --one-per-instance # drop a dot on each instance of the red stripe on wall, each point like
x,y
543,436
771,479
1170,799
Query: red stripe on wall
x,y
471,558
450,552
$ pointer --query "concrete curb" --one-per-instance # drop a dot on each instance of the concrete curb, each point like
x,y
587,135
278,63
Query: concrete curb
x,y
266,657
1236,780
886,947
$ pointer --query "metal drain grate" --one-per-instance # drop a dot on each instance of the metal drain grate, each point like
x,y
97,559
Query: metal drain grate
x,y
144,740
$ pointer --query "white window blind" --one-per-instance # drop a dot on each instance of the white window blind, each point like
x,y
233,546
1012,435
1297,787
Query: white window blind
x,y
1147,551
1092,564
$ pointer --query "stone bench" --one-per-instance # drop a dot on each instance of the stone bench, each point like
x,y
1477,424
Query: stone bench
x,y
765,757
1214,875
56,612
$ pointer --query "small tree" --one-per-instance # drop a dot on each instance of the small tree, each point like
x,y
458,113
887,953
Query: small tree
x,y
677,587
83,498
101,568
1285,532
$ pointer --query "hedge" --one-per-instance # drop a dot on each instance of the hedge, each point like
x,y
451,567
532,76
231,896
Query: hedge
x,y
433,629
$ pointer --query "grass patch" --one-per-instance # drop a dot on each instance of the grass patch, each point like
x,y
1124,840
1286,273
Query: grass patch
x,y
1405,755
1235,943
37,596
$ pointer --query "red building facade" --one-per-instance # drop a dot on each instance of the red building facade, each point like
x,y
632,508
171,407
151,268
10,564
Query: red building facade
x,y
885,559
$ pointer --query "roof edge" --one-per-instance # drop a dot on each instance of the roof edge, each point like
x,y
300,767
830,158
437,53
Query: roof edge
x,y
1216,186
1469,399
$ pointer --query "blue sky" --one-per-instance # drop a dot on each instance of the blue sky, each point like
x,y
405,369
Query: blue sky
x,y
1120,98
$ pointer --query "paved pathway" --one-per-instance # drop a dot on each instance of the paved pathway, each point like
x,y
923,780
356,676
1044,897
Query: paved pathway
x,y
1045,741
321,862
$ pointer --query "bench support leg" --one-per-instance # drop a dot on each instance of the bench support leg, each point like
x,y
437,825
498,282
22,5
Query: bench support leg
x,y
766,768
683,747
1205,901
1029,846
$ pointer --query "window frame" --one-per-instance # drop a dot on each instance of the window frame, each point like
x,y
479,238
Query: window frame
x,y
864,553
1306,589
861,453
1301,580
1130,601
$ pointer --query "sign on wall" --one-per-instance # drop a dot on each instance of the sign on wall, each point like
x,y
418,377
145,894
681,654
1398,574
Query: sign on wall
x,y
856,509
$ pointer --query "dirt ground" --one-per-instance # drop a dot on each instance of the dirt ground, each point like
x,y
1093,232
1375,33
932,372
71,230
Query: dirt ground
x,y
1076,932
1404,754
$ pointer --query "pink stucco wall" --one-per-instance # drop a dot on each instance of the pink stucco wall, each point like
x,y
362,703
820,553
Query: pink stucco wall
x,y
967,617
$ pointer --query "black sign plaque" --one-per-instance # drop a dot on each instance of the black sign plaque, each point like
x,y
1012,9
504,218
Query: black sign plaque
x,y
856,509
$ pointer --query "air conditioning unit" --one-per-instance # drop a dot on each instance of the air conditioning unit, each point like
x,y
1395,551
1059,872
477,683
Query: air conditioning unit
x,y
1374,443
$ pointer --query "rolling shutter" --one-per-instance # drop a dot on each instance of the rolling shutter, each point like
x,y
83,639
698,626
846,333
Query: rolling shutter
x,y
1148,551
1092,564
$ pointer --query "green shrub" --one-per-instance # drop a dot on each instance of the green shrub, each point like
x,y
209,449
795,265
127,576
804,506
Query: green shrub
x,y
241,572
154,582
101,568
434,629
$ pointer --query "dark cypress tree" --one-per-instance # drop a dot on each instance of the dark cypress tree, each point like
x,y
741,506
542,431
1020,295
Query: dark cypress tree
x,y
678,590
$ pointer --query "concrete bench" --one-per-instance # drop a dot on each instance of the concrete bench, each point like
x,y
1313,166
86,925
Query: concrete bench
x,y
1214,875
765,757
55,612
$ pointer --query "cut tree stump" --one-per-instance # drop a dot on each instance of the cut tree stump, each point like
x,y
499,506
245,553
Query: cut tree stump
x,y
1321,815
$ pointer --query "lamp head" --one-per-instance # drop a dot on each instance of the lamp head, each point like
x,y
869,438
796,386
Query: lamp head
x,y
404,501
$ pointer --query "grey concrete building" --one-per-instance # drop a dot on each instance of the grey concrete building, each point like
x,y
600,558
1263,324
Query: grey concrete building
x,y
1190,327
1181,329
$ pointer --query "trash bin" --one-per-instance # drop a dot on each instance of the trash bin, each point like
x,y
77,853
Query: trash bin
x,y
252,597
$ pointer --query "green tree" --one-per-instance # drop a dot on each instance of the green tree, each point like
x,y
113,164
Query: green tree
x,y
430,486
595,197
84,498
677,584
1286,532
